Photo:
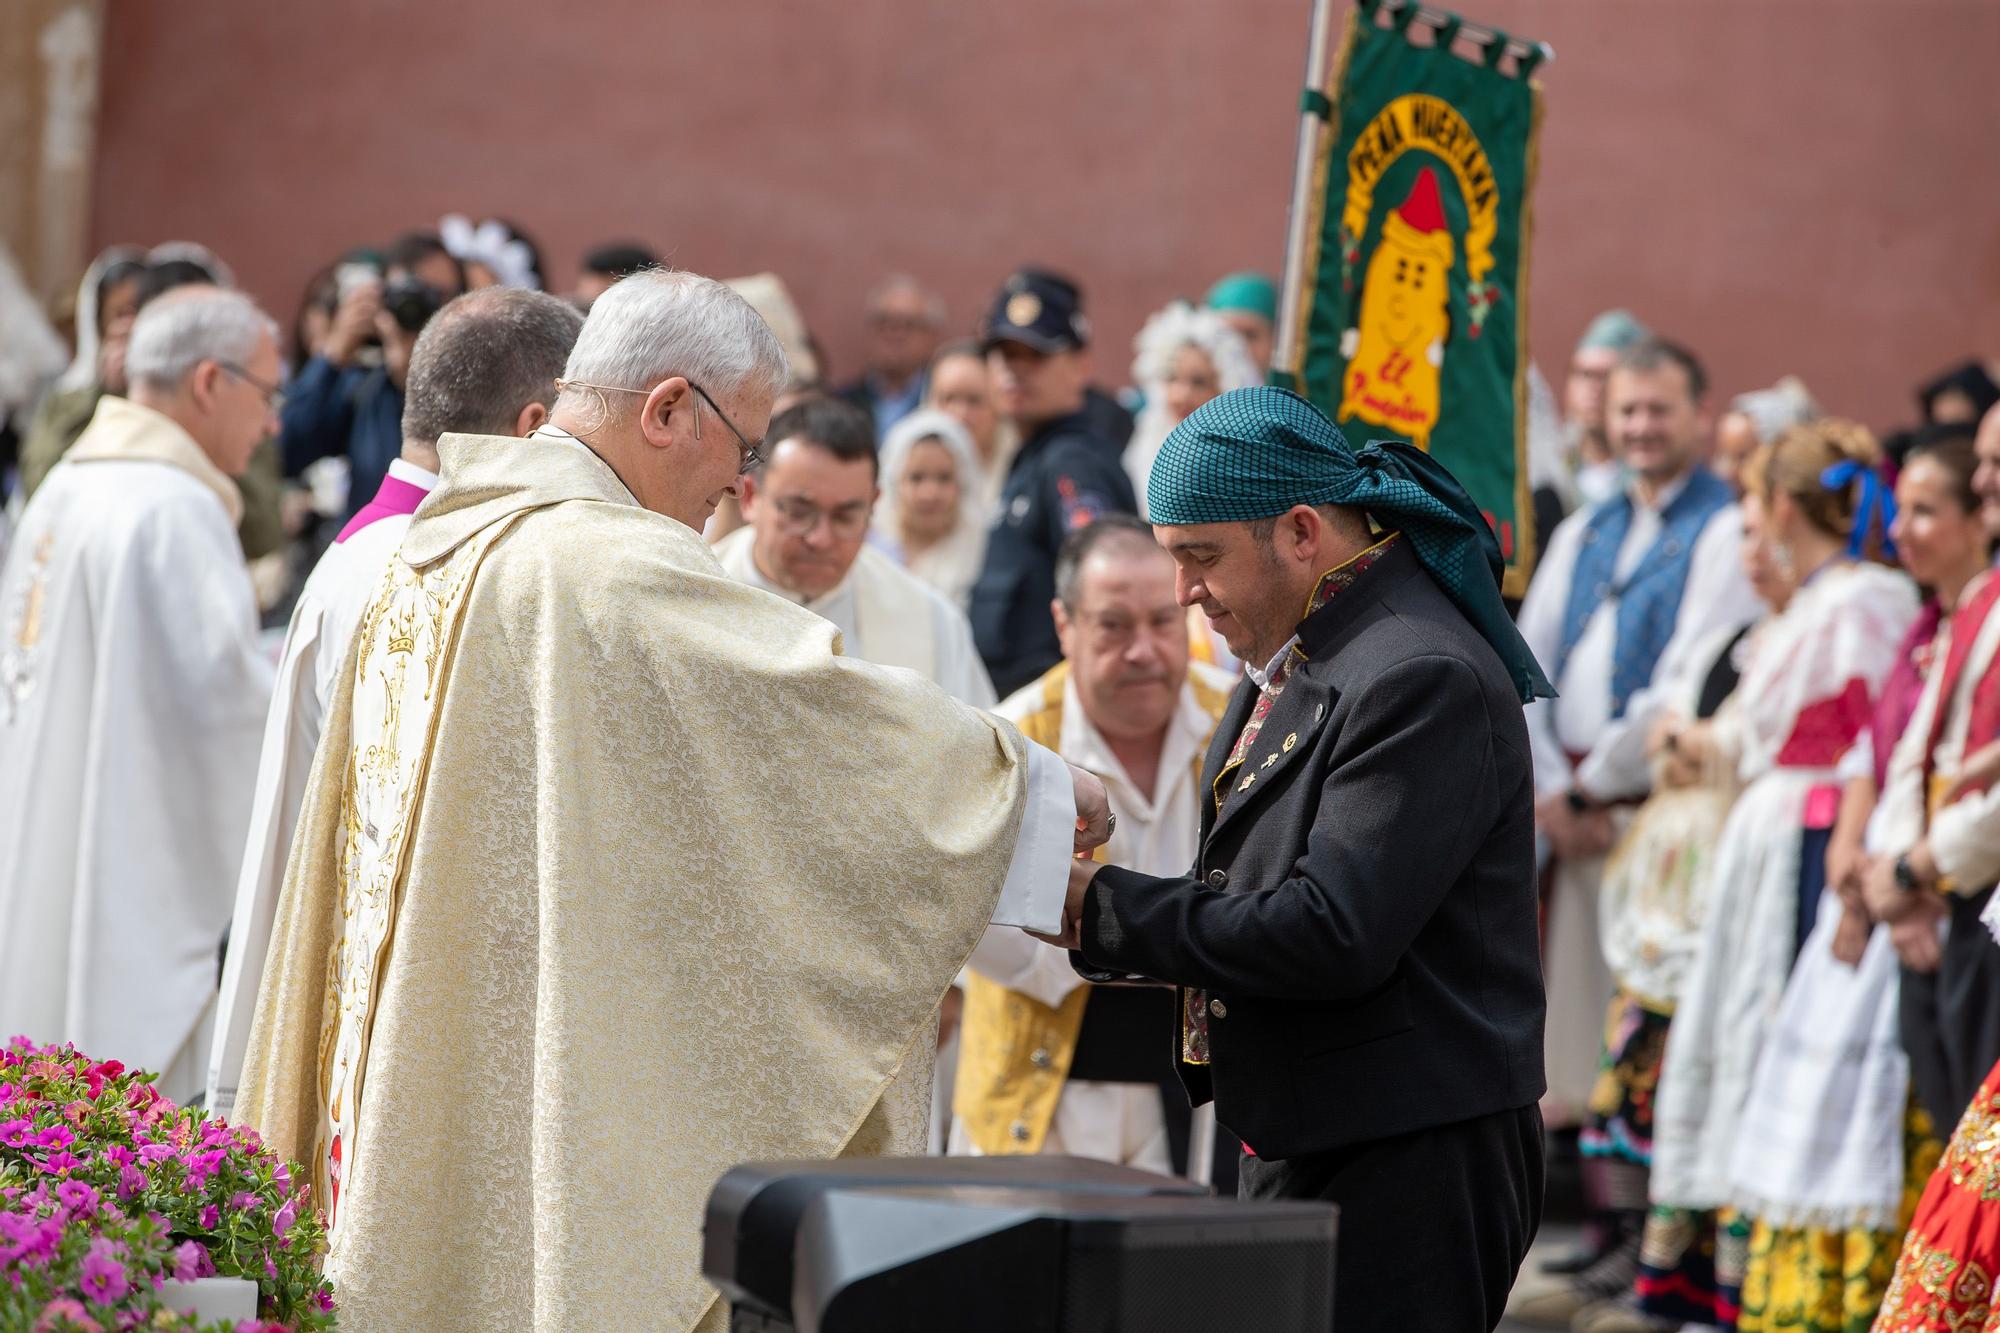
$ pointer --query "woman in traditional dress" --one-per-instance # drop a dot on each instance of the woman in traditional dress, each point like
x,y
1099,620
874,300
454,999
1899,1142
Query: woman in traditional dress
x,y
1945,1276
1805,699
1833,1146
932,514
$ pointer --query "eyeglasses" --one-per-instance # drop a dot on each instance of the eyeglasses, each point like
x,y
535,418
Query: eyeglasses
x,y
800,517
274,396
749,459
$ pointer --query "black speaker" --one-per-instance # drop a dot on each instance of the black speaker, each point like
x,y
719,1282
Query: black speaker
x,y
1007,1245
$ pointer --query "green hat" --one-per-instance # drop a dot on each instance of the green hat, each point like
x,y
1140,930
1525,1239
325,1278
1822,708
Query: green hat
x,y
1614,329
1252,292
1255,453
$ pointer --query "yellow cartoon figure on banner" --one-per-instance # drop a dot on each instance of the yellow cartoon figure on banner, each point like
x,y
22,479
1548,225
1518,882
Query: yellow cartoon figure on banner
x,y
1395,351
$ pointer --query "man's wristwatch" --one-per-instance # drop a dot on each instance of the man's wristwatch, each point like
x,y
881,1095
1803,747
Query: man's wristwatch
x,y
1906,878
1578,803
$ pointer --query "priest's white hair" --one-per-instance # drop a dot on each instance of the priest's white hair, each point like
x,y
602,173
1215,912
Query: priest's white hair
x,y
662,322
178,331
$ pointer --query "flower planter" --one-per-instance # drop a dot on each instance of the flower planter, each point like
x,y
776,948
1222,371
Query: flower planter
x,y
213,1297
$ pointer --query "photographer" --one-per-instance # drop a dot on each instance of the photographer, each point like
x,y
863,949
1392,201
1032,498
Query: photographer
x,y
348,398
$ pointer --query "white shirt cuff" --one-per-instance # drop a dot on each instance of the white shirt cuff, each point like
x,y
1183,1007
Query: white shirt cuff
x,y
1038,876
1037,970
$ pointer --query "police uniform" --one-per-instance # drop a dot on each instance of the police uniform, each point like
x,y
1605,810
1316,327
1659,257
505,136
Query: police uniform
x,y
1063,477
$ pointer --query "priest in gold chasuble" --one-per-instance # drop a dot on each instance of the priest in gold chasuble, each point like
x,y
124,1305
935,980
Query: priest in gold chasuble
x,y
612,871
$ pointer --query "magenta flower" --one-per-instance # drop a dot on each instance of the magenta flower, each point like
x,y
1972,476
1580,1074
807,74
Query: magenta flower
x,y
211,1217
131,1181
118,1155
191,1261
283,1175
151,1154
202,1165
80,1199
282,1222
17,1133
56,1136
103,1279
242,1201
60,1161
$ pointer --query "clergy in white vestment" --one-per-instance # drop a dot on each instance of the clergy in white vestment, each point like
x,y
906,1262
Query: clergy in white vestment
x,y
486,364
1626,594
132,689
807,511
1048,1062
612,872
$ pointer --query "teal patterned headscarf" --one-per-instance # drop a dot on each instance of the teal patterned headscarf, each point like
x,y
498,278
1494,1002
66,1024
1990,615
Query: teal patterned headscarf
x,y
1254,453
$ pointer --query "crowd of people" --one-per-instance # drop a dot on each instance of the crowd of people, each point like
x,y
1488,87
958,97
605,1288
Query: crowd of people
x,y
1761,803
1765,832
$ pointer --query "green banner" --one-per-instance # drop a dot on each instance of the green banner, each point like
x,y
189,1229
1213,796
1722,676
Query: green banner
x,y
1412,300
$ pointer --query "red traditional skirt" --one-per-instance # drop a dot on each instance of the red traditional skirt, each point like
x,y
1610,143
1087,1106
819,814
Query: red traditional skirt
x,y
1945,1275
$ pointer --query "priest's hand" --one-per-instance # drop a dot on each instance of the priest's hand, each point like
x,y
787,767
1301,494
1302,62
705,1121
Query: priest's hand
x,y
1093,811
1081,873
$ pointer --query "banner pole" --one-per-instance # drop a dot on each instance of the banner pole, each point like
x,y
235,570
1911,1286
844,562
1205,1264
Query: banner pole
x,y
1287,355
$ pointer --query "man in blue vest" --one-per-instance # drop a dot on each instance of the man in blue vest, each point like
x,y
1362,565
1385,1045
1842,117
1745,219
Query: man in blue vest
x,y
1626,590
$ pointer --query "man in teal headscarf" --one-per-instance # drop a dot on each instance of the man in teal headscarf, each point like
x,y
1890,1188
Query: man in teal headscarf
x,y
1248,303
1355,948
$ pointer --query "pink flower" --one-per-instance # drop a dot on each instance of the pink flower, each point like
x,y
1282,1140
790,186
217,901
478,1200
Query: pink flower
x,y
131,1181
118,1155
151,1154
71,1313
191,1261
282,1222
103,1279
27,1240
323,1298
17,1133
108,1068
80,1199
60,1161
202,1165
242,1201
211,1217
56,1136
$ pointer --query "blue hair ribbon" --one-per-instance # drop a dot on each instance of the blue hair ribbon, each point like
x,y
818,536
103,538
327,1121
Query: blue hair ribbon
x,y
1877,505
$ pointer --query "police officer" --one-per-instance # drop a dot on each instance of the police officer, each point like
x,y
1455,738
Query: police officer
x,y
1064,475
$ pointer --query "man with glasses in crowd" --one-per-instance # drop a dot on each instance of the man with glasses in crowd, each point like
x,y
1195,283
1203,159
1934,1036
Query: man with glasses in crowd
x,y
132,694
807,511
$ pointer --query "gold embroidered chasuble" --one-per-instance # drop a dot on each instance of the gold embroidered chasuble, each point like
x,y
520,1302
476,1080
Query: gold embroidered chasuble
x,y
612,873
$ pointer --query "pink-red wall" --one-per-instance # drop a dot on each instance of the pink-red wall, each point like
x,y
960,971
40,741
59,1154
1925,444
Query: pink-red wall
x,y
1807,186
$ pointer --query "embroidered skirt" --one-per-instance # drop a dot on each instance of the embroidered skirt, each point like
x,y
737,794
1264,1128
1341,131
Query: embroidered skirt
x,y
1620,1121
1819,1281
1945,1275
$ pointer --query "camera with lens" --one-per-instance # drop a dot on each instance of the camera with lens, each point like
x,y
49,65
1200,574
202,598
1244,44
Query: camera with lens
x,y
411,302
